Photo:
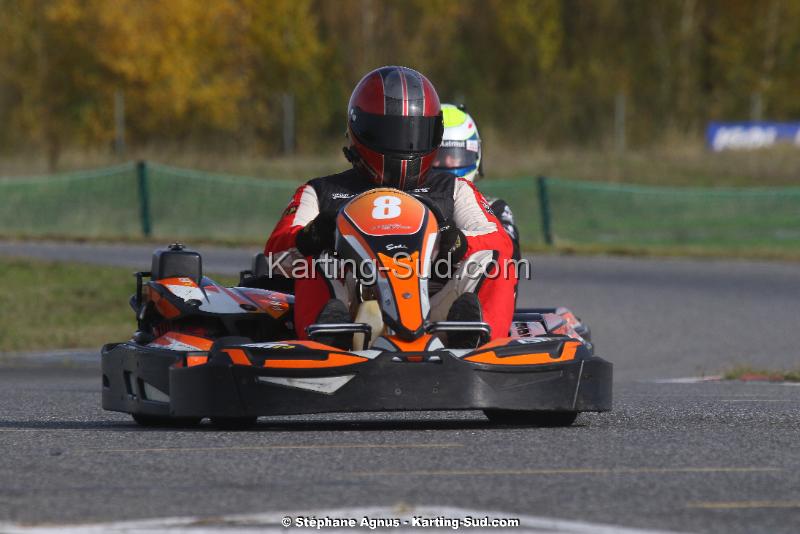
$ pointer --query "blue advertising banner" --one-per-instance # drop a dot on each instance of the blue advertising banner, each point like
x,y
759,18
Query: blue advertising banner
x,y
751,134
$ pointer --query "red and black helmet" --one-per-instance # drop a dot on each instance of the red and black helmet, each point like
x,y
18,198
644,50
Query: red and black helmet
x,y
394,122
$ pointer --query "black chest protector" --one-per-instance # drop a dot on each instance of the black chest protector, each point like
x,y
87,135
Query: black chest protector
x,y
336,190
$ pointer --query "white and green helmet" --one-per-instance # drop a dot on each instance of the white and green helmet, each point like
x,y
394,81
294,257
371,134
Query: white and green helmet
x,y
460,151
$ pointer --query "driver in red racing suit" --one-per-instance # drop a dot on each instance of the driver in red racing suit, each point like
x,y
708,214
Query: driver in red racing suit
x,y
394,129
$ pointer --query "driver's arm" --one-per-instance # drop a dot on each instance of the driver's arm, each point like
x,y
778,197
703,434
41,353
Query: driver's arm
x,y
302,209
474,217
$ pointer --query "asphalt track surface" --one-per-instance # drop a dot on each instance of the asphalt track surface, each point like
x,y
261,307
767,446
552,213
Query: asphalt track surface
x,y
691,457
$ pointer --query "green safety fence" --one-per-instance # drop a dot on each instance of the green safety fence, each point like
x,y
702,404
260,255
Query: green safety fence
x,y
143,200
157,201
94,204
639,216
522,196
188,204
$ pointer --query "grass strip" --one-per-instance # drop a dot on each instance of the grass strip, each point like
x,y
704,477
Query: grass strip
x,y
749,373
48,305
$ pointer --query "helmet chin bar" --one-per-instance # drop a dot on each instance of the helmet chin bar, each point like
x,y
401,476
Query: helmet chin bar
x,y
411,180
358,163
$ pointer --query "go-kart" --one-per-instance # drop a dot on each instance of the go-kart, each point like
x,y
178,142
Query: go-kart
x,y
202,350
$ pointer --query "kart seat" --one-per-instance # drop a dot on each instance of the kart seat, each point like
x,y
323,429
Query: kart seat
x,y
260,277
176,261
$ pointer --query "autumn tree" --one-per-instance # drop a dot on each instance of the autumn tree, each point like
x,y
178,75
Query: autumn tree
x,y
216,74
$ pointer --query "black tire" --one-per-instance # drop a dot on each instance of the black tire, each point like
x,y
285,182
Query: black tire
x,y
166,421
234,423
531,418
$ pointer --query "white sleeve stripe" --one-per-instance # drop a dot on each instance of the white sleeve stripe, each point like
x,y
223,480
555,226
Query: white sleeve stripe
x,y
473,233
468,214
308,208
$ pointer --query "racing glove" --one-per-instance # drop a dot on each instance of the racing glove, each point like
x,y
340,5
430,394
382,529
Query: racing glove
x,y
452,244
318,235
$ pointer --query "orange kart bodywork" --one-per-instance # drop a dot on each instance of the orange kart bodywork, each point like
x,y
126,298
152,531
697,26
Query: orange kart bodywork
x,y
545,365
204,350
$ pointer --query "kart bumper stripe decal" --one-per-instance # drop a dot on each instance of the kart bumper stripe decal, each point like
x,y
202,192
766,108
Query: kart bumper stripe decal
x,y
333,360
238,356
491,357
325,385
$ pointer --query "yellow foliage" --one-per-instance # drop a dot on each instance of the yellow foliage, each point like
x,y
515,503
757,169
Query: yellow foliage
x,y
215,71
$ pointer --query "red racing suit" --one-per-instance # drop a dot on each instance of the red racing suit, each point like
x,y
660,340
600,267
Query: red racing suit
x,y
458,201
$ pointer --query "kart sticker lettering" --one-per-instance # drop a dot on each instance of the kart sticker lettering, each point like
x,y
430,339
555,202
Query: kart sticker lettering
x,y
453,143
271,345
390,227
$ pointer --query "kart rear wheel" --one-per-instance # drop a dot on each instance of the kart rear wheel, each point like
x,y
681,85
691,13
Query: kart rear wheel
x,y
531,418
234,423
165,422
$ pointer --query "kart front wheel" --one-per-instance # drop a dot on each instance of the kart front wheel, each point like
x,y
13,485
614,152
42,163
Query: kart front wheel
x,y
233,423
531,418
165,422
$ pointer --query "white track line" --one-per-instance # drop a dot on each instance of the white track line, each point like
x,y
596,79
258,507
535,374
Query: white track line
x,y
717,378
686,380
270,522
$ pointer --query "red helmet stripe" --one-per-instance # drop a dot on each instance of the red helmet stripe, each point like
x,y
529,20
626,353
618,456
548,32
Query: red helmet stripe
x,y
403,168
424,100
404,83
370,95
383,92
425,165
432,106
373,161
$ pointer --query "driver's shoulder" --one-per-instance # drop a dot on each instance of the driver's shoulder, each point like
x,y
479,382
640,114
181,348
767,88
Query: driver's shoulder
x,y
344,178
335,189
436,182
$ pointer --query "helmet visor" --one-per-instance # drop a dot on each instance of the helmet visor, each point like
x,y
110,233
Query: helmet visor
x,y
397,134
456,154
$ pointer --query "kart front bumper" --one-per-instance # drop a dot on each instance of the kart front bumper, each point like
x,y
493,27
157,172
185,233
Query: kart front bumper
x,y
142,380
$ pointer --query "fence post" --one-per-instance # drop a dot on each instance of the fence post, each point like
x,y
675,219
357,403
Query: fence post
x,y
544,209
144,197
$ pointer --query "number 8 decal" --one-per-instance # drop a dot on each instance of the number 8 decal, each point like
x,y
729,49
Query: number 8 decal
x,y
386,207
